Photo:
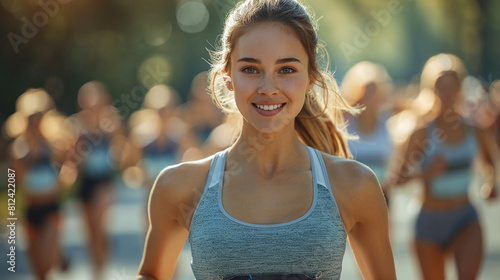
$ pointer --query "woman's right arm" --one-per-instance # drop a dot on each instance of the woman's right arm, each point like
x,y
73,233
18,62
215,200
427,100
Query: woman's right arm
x,y
173,192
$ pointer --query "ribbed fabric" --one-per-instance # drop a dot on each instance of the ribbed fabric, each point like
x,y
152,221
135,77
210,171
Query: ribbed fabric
x,y
223,246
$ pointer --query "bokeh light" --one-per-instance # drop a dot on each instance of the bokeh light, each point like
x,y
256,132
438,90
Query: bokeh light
x,y
154,70
156,32
192,16
15,125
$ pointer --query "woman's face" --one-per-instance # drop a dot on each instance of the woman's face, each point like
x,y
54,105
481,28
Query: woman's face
x,y
448,88
269,76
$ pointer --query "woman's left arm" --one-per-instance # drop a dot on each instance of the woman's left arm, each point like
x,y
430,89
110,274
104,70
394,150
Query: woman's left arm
x,y
364,212
490,157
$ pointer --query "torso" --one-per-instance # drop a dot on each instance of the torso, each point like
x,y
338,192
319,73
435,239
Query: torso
x,y
266,214
373,148
41,177
458,147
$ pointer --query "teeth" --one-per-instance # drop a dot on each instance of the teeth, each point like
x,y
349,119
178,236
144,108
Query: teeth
x,y
268,107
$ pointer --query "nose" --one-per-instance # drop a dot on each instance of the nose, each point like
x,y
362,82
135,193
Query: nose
x,y
268,85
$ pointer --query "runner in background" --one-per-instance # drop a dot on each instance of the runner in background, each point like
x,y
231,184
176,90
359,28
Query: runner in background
x,y
368,86
95,154
37,153
440,155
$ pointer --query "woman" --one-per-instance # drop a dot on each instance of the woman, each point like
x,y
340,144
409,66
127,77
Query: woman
x,y
155,131
441,155
270,207
35,158
368,85
95,127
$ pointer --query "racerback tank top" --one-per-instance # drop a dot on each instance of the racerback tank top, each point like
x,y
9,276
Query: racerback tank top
x,y
223,246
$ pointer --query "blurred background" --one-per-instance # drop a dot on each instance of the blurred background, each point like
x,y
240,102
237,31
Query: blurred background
x,y
149,59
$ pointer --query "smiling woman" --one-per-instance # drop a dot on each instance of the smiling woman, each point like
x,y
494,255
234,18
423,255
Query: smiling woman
x,y
267,207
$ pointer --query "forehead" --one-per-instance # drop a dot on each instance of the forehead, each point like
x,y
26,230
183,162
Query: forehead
x,y
269,40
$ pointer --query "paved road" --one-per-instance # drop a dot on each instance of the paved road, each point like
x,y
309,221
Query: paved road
x,y
126,229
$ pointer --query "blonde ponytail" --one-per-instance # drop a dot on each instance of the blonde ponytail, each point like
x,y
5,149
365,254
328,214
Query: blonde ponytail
x,y
321,123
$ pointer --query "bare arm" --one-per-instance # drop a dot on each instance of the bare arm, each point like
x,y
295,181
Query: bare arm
x,y
171,204
166,234
369,235
364,213
490,156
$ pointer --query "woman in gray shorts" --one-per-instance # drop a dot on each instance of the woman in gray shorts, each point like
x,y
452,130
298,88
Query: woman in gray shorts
x,y
441,155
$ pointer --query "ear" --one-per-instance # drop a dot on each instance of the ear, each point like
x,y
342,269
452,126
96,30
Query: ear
x,y
311,83
228,81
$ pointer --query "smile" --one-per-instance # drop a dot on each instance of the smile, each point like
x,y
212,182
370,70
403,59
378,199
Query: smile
x,y
269,107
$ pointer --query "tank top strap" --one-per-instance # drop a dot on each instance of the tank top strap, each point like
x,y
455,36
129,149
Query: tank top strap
x,y
216,172
319,169
316,166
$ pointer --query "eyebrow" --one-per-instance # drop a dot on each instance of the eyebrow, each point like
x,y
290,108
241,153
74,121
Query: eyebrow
x,y
279,61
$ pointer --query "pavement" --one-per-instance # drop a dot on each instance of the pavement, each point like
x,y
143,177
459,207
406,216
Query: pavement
x,y
126,228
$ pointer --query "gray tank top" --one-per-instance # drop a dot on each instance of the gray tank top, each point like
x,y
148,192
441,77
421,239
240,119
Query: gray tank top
x,y
222,246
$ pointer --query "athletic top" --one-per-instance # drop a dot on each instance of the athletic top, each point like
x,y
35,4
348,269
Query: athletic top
x,y
459,157
223,246
41,176
97,162
372,149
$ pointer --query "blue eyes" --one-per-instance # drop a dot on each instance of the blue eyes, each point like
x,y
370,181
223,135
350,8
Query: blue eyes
x,y
249,70
287,70
253,70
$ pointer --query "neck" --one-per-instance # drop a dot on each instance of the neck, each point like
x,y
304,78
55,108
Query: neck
x,y
447,116
267,153
368,121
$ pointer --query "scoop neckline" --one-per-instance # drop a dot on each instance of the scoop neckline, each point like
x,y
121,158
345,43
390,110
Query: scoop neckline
x,y
304,216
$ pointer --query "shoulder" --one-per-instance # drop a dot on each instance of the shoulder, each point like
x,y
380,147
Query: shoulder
x,y
178,188
420,133
348,174
174,177
486,141
479,131
355,188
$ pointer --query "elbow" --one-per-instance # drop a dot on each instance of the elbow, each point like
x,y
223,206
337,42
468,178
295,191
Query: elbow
x,y
144,276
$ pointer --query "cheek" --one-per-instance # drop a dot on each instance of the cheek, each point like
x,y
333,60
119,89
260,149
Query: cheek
x,y
297,88
242,91
242,84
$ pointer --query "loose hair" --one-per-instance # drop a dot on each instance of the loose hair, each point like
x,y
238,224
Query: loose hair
x,y
439,65
320,123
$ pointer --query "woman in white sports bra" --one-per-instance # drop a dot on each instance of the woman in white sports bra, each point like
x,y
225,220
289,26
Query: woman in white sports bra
x,y
441,156
281,202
